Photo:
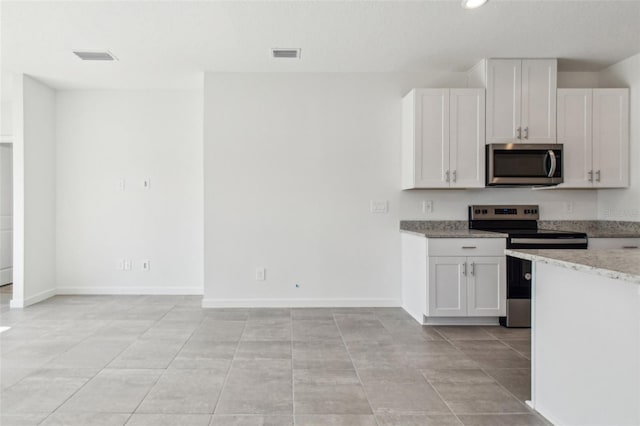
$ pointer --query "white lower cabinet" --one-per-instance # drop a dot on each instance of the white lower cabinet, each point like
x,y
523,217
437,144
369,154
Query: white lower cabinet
x,y
453,280
466,286
614,243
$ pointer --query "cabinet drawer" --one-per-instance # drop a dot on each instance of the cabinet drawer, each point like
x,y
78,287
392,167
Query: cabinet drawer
x,y
614,243
466,246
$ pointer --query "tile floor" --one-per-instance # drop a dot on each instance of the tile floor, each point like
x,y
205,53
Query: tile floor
x,y
162,360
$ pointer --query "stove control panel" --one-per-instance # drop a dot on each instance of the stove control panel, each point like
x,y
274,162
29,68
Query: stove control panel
x,y
504,212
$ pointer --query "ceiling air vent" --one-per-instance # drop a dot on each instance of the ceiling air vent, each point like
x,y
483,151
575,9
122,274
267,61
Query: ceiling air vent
x,y
286,53
94,55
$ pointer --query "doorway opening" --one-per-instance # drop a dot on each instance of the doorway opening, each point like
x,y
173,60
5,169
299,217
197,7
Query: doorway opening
x,y
6,225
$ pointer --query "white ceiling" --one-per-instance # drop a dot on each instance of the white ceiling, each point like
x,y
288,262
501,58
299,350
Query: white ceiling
x,y
167,44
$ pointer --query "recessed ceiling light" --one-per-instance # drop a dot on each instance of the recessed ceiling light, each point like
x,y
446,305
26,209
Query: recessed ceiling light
x,y
472,4
88,55
285,53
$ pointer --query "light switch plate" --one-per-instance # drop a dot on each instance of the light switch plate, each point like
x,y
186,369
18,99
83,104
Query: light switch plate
x,y
146,265
427,206
379,207
146,183
261,274
127,265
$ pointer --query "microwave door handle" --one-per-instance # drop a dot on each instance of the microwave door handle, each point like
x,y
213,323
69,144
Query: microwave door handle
x,y
552,171
544,162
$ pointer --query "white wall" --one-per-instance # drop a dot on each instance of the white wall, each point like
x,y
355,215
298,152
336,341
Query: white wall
x,y
624,204
292,162
6,119
105,136
34,191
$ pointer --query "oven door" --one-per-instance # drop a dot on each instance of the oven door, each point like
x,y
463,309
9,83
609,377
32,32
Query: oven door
x,y
518,278
524,164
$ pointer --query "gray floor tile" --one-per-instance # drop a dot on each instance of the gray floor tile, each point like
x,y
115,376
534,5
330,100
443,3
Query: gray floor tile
x,y
509,333
205,354
90,353
256,420
392,398
260,331
468,375
489,398
381,376
112,391
184,391
86,419
312,314
264,350
323,376
522,346
503,420
169,420
321,330
21,419
122,329
441,361
517,381
336,420
418,420
330,399
219,330
502,359
464,333
43,391
156,353
320,350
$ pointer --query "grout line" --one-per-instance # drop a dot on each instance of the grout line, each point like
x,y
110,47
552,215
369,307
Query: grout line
x,y
226,376
355,369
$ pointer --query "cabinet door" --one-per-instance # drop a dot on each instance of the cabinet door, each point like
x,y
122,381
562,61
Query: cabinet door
x,y
504,78
574,132
611,138
467,146
432,138
539,86
487,286
447,295
614,243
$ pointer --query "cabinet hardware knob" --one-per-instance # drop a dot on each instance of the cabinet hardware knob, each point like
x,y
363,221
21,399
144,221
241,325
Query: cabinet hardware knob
x,y
526,133
598,176
519,133
473,268
590,173
464,271
447,173
455,175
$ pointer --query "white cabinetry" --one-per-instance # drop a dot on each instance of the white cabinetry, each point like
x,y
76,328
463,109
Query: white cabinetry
x,y
593,126
614,243
453,280
521,100
443,138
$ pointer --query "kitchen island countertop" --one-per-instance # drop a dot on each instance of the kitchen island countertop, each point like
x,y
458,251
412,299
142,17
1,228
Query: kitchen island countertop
x,y
617,264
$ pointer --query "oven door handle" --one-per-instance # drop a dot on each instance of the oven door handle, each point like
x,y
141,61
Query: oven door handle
x,y
552,169
549,241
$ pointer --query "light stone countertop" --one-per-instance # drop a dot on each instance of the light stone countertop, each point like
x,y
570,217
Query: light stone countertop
x,y
617,264
445,229
595,228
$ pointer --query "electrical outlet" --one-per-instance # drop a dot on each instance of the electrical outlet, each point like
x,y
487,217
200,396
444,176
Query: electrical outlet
x,y
146,265
568,206
379,207
427,206
121,185
146,183
261,274
127,264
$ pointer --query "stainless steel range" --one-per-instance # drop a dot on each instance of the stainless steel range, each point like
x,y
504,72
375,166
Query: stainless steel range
x,y
520,223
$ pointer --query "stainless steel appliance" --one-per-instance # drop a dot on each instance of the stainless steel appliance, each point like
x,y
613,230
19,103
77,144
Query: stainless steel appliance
x,y
515,164
520,223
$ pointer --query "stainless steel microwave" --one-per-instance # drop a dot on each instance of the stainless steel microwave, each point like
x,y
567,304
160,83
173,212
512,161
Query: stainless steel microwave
x,y
515,164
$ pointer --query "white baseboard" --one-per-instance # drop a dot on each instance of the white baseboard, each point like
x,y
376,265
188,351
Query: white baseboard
x,y
43,295
16,303
159,291
300,303
461,321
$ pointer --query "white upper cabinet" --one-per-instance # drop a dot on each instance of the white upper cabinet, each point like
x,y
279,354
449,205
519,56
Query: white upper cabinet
x,y
593,126
611,138
521,100
443,138
574,132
